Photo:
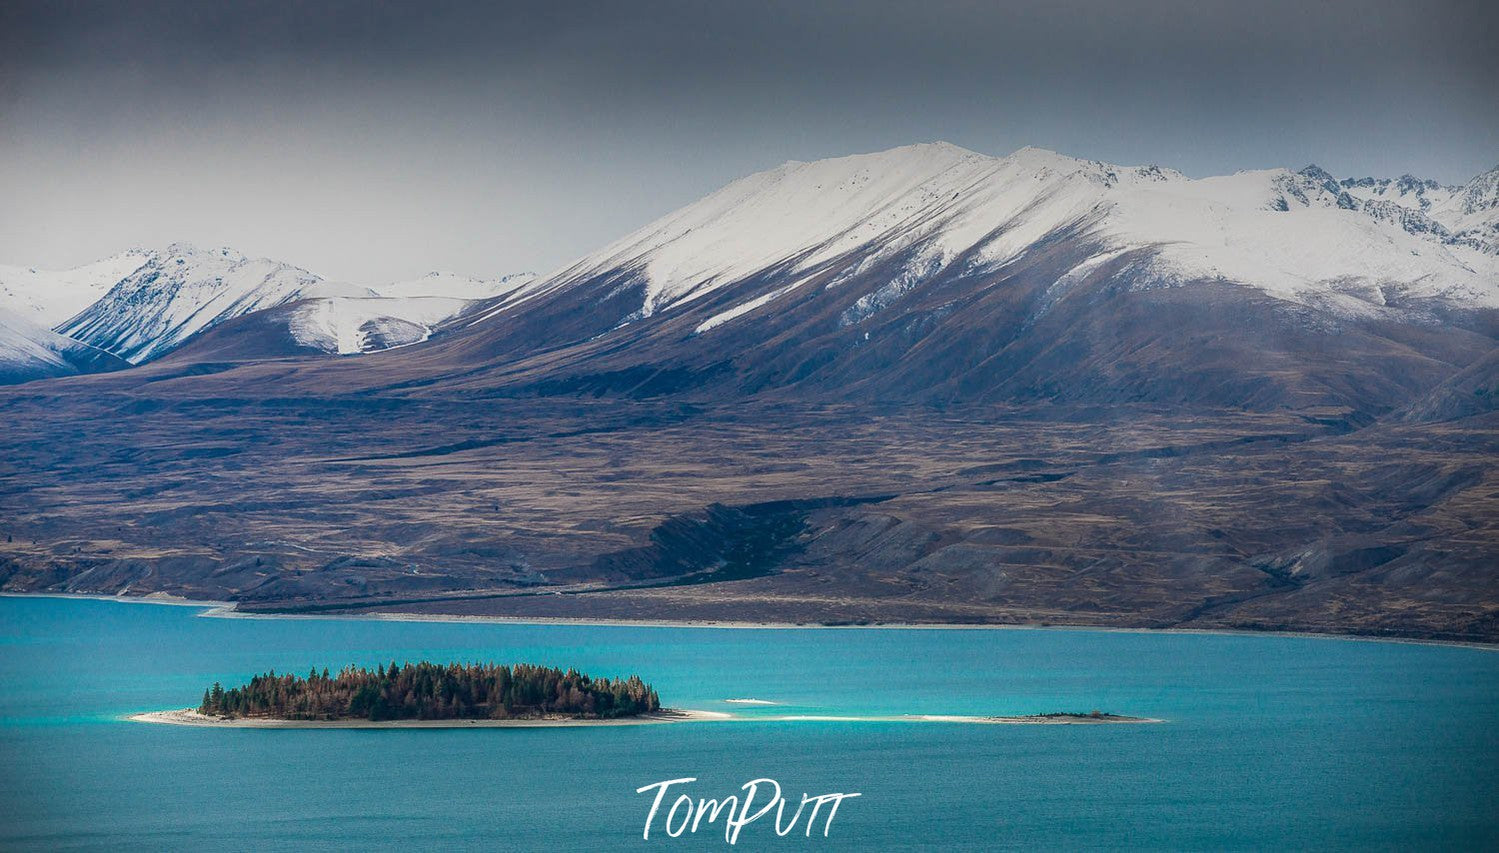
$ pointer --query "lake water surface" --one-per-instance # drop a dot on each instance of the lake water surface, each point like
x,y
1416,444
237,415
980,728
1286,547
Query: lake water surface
x,y
1272,742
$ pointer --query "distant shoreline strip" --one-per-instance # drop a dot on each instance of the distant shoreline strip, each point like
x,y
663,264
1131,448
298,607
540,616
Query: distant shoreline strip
x,y
229,610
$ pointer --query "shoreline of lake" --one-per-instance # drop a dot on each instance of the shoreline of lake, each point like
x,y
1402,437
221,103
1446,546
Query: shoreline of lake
x,y
229,610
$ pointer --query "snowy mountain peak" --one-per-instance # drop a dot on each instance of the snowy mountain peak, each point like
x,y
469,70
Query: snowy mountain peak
x,y
221,258
1480,195
1408,191
1045,162
1412,184
1311,187
1317,173
1152,172
181,291
1471,213
915,210
193,250
142,303
1032,155
921,159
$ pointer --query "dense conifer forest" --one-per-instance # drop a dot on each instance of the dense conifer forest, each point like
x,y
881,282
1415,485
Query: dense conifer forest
x,y
429,691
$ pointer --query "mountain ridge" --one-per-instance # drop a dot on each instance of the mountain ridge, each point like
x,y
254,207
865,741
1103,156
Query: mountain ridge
x,y
937,274
675,267
948,389
1404,250
143,304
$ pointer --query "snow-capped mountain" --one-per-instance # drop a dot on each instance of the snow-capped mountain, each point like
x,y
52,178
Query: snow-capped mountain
x,y
928,272
29,351
934,271
1478,198
173,295
1463,216
1297,236
182,291
1407,191
50,297
1472,214
392,315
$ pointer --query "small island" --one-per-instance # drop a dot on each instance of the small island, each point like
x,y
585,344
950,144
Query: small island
x,y
431,695
432,692
1069,717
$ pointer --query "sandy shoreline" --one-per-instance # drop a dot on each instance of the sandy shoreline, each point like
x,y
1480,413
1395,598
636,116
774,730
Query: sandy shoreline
x,y
228,610
190,717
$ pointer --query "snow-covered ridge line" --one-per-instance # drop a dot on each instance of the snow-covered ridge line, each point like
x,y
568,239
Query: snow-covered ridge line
x,y
141,303
1296,235
184,290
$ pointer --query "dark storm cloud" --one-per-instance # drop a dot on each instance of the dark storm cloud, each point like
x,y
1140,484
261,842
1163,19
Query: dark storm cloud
x,y
375,139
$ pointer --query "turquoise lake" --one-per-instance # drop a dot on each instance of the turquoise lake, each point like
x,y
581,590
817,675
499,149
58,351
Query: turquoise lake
x,y
1272,742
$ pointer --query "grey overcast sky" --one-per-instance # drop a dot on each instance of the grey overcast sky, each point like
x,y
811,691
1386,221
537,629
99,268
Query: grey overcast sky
x,y
374,141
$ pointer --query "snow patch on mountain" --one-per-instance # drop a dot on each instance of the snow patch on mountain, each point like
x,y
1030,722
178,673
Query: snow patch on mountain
x,y
744,308
351,325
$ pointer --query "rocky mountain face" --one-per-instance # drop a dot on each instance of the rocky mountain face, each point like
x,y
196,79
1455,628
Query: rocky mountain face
x,y
1459,216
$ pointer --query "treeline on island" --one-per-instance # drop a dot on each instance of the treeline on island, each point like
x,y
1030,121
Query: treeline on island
x,y
429,691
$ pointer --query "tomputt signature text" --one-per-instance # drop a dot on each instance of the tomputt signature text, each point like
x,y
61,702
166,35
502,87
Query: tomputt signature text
x,y
688,814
